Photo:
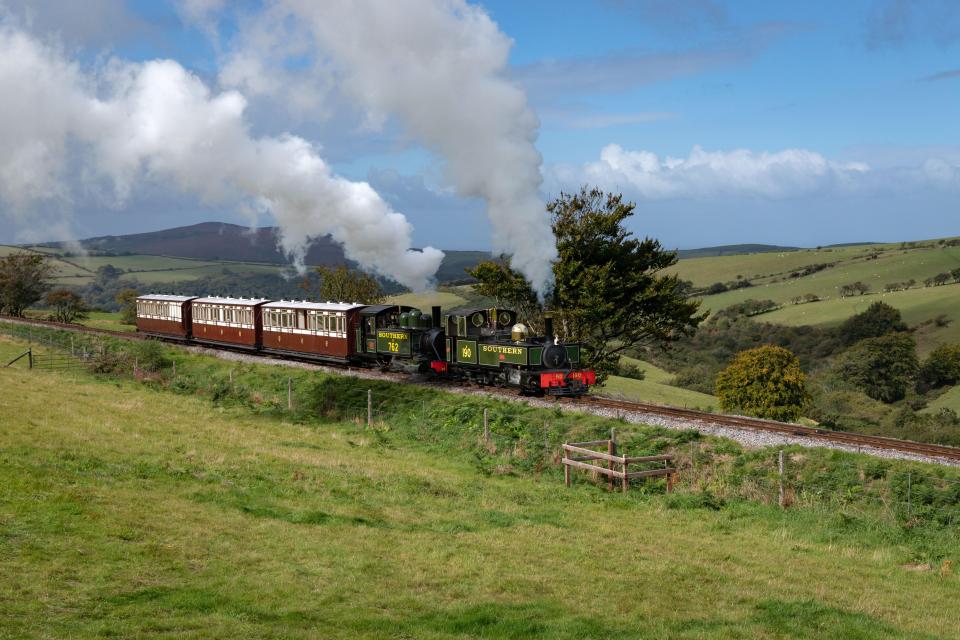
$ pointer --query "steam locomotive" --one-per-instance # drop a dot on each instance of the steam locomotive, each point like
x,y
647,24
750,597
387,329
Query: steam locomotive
x,y
485,346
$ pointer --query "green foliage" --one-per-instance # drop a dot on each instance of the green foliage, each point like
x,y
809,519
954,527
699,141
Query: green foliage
x,y
67,305
696,360
941,368
766,382
883,368
127,299
879,319
151,355
750,307
508,288
24,278
856,288
608,292
343,284
630,370
608,288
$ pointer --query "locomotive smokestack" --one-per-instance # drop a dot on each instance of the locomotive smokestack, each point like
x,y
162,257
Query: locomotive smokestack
x,y
436,317
548,328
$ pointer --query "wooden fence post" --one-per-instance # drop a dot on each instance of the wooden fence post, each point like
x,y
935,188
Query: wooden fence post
x,y
486,429
909,496
71,345
566,469
612,450
30,356
626,480
782,502
136,367
174,368
231,377
289,394
369,407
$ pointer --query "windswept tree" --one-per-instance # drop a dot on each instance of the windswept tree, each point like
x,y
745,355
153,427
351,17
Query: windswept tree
x,y
24,278
609,292
342,284
766,382
67,306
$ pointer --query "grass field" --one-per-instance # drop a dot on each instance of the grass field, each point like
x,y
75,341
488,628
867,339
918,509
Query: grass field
x,y
949,400
769,272
427,299
106,320
128,511
656,388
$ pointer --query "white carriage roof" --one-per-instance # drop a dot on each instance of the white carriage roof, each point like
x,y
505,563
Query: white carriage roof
x,y
162,297
237,302
313,306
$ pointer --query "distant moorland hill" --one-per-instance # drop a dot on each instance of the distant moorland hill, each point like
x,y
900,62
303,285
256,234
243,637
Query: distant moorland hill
x,y
221,241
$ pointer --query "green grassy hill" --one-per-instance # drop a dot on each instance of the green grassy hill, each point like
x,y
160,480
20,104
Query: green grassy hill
x,y
137,510
874,265
655,387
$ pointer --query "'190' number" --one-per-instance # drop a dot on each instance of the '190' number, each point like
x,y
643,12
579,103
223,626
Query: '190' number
x,y
466,352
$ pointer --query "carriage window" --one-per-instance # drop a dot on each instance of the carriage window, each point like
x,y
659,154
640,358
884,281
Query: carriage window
x,y
341,324
301,321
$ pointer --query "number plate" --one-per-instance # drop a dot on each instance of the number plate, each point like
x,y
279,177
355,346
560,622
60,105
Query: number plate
x,y
393,342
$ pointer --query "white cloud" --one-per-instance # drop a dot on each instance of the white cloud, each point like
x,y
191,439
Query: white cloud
x,y
706,174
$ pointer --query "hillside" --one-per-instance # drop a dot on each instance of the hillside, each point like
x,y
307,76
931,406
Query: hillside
x,y
787,275
218,242
165,509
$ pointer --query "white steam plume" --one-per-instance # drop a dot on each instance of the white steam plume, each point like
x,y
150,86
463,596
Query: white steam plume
x,y
156,120
437,65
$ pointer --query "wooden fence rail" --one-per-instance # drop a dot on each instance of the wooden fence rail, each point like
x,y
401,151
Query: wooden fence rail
x,y
581,461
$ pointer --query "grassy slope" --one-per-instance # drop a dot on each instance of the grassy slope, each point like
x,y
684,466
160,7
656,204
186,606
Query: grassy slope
x,y
123,513
655,387
893,264
949,400
106,320
426,299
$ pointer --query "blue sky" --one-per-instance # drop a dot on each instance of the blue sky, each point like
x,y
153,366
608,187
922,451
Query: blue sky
x,y
792,123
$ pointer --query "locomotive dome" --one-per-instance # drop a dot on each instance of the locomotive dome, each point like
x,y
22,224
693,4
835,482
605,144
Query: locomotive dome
x,y
519,332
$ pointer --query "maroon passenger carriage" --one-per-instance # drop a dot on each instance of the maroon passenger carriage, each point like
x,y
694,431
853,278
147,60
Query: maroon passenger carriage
x,y
325,330
232,321
163,315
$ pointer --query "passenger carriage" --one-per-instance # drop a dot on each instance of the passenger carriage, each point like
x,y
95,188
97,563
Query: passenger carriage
x,y
163,315
232,321
327,330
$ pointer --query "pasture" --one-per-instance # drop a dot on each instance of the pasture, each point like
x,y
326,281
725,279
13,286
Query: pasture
x,y
655,387
874,265
128,510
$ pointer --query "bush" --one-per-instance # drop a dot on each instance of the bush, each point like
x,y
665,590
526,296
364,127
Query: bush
x,y
630,370
941,368
879,319
766,382
882,367
150,356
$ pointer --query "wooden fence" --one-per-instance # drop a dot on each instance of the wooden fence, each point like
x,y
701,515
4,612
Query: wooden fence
x,y
578,455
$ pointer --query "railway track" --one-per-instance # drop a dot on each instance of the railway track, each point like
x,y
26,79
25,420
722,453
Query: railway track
x,y
860,441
